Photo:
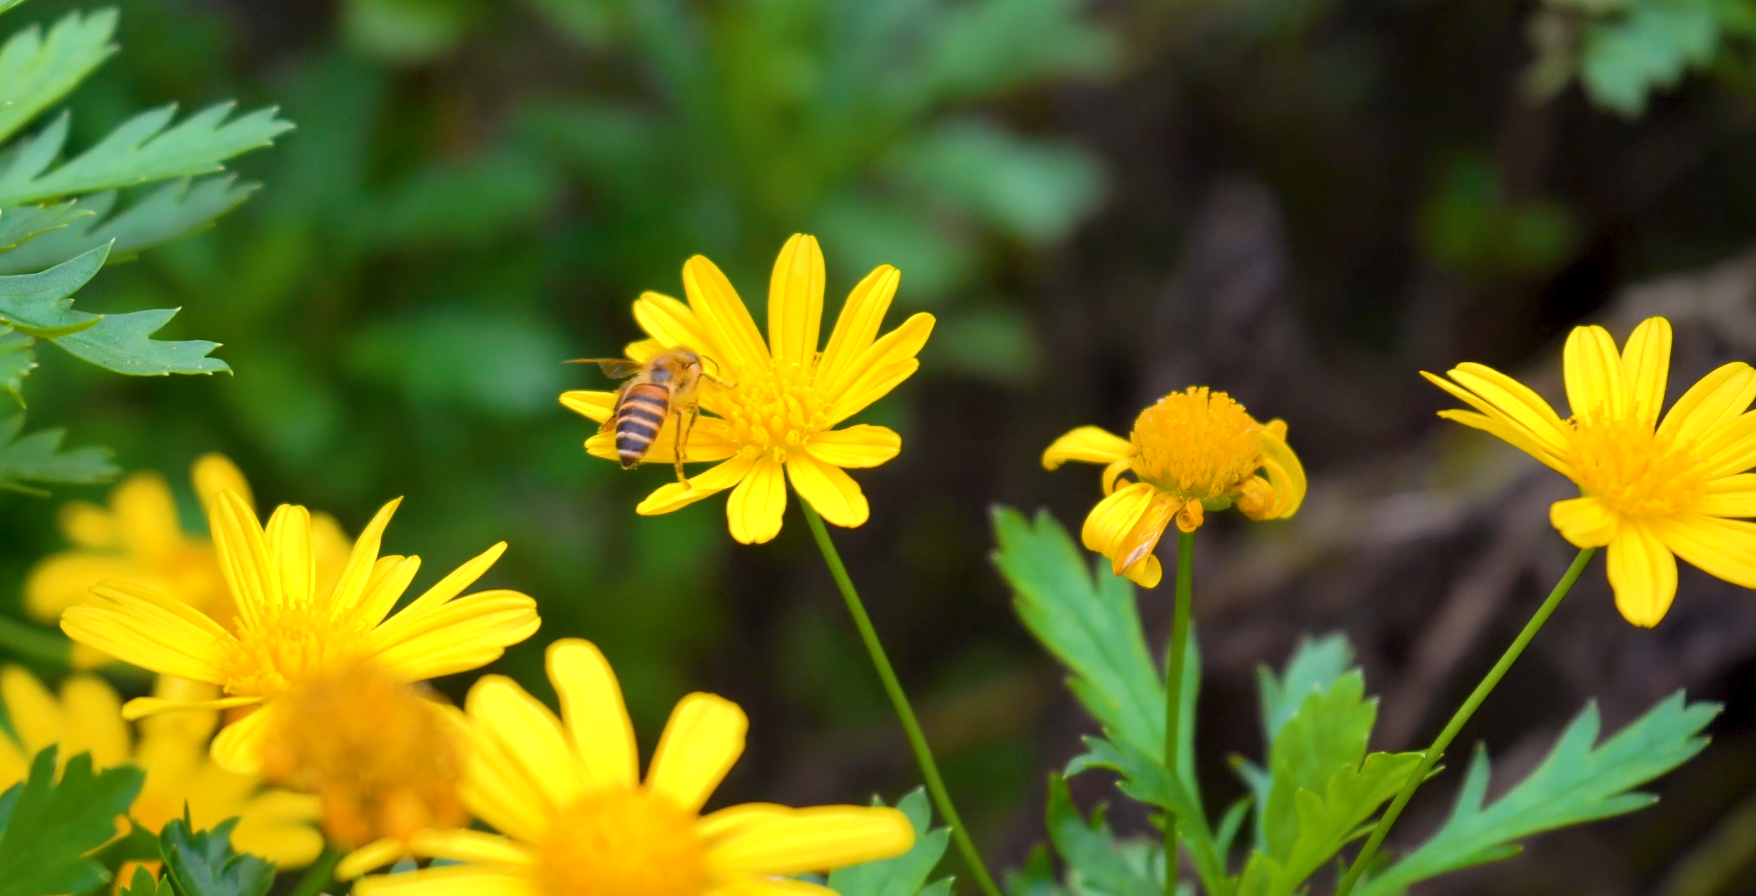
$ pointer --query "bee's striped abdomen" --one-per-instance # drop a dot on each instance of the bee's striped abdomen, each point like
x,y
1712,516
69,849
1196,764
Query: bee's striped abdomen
x,y
639,416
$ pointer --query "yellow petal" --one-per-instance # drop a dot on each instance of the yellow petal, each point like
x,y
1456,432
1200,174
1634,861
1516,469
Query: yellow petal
x,y
288,536
1643,573
856,327
1729,496
278,826
238,748
389,579
465,634
595,406
795,300
855,447
709,440
469,846
830,491
1113,517
370,857
817,839
65,580
702,740
723,315
450,586
1716,398
1646,365
1510,433
1515,401
671,323
1585,522
530,736
1729,447
758,885
146,516
882,367
36,717
757,505
214,473
1285,473
596,718
139,626
450,880
142,707
350,586
243,555
1719,547
87,525
1593,370
1087,445
1146,575
674,495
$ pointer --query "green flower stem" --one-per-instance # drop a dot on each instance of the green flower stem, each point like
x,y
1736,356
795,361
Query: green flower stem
x,y
898,699
1174,689
1462,716
320,874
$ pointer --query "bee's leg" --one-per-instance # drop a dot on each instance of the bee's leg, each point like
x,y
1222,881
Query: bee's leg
x,y
717,381
682,438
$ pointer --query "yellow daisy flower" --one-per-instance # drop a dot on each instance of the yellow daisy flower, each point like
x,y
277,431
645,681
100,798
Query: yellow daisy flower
x,y
139,538
87,718
1194,451
1650,490
781,399
291,631
576,818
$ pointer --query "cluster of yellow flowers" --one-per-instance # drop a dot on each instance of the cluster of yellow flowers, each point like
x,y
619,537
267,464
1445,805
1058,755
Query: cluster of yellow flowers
x,y
291,634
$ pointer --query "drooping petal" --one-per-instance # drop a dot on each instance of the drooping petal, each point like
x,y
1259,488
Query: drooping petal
x,y
709,440
1285,473
1585,522
1593,370
882,367
1646,366
855,447
816,839
214,473
596,717
140,626
830,491
1142,538
450,880
671,324
723,314
795,300
673,495
239,746
1643,573
1716,398
1720,547
1108,525
702,741
758,504
1087,445
1516,401
856,327
146,516
461,635
530,736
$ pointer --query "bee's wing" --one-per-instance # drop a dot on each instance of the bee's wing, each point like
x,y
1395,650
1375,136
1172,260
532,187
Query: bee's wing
x,y
614,368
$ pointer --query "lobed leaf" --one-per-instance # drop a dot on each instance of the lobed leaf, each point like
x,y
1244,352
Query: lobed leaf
x,y
202,863
38,458
1649,46
1326,737
38,70
17,360
1094,863
24,222
173,210
904,875
49,825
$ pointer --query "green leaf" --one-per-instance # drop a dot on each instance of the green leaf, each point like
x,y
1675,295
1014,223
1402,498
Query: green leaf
x,y
1037,877
1094,863
173,210
37,458
1327,735
144,884
17,360
42,305
142,149
36,71
24,222
50,825
1576,783
905,875
123,343
8,4
204,864
1145,779
1315,667
1329,817
1623,59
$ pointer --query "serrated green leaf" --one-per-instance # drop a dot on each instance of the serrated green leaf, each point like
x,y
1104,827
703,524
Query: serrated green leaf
x,y
905,875
1328,817
1094,863
1036,877
1327,735
1624,59
41,304
1145,779
24,222
123,343
171,211
144,884
53,824
1577,782
38,70
203,863
1315,666
142,149
17,360
140,844
37,458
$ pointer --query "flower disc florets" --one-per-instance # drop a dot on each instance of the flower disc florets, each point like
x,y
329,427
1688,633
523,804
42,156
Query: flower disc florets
x,y
1198,444
1632,469
774,416
622,841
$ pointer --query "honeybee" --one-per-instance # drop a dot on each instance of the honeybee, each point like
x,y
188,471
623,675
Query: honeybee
x,y
668,384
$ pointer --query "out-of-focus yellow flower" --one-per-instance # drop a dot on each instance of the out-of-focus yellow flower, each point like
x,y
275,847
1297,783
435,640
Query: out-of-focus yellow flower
x,y
87,717
1650,491
784,397
577,819
384,760
1194,451
292,631
138,538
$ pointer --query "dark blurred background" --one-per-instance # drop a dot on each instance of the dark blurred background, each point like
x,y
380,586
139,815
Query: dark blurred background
x,y
1302,202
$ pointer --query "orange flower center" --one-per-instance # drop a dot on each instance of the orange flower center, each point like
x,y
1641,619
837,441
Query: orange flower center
x,y
1196,444
774,411
1631,468
622,841
380,756
287,645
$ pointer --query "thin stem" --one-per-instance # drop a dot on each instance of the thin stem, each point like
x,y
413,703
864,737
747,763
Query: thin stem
x,y
916,738
1174,690
321,873
1458,719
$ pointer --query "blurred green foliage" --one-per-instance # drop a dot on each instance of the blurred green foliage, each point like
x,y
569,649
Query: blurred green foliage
x,y
1623,52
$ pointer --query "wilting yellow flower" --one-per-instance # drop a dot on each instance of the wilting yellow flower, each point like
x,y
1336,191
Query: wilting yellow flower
x,y
384,759
1651,491
139,539
577,819
290,630
783,397
1192,452
274,824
